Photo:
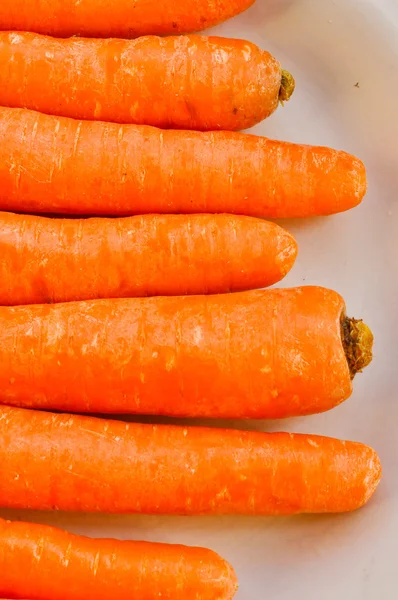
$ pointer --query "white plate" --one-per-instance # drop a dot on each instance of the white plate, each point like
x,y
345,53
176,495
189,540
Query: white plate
x,y
329,45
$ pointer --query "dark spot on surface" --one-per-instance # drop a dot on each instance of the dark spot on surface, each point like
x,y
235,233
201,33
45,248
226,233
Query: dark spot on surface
x,y
191,109
203,19
357,84
174,25
235,111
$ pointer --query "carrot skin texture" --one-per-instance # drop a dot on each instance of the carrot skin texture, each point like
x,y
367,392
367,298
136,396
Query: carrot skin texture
x,y
120,18
51,164
61,566
79,463
60,260
185,82
259,354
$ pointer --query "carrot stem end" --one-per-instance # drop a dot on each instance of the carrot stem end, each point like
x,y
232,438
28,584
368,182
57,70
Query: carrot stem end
x,y
287,88
358,344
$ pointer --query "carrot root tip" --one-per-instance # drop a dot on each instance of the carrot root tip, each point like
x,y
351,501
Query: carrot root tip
x,y
287,88
358,344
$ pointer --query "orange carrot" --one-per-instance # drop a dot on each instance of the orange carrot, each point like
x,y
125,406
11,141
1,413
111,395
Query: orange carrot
x,y
45,563
116,18
75,463
58,165
261,354
188,82
58,260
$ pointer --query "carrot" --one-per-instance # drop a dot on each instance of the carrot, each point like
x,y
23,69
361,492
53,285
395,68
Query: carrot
x,y
261,354
120,18
60,566
184,81
58,165
58,260
76,463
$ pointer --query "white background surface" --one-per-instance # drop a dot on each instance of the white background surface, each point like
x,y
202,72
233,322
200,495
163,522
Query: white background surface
x,y
329,45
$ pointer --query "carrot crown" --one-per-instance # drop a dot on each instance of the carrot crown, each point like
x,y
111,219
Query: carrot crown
x,y
287,88
358,344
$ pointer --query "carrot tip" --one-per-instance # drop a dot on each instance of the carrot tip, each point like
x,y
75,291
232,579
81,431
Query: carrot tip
x,y
358,344
373,477
287,88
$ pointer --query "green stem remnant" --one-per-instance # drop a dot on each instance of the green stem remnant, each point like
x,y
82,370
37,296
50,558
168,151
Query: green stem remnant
x,y
358,343
287,87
